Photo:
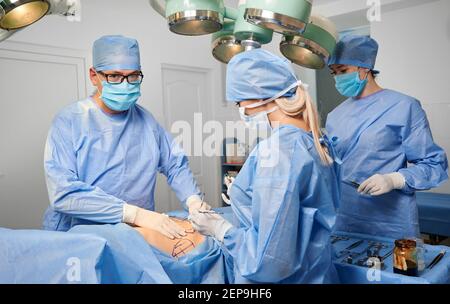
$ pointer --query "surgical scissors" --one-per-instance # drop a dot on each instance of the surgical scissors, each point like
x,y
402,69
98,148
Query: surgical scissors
x,y
207,211
335,239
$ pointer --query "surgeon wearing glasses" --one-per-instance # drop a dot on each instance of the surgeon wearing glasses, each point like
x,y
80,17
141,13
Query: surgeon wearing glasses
x,y
103,153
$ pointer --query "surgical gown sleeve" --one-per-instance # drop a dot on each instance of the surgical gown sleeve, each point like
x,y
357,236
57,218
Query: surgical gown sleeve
x,y
429,166
272,247
68,194
174,164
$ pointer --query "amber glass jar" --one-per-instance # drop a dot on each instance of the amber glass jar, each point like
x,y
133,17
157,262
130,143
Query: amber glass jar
x,y
405,258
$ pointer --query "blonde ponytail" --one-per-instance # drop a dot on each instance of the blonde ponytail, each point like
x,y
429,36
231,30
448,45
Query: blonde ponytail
x,y
302,104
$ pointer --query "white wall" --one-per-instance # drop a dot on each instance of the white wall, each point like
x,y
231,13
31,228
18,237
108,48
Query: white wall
x,y
413,58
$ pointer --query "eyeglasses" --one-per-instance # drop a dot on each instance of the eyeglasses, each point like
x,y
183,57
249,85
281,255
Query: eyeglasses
x,y
135,78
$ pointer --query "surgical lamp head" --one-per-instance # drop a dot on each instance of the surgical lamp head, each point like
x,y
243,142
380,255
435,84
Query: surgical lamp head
x,y
195,17
16,14
313,48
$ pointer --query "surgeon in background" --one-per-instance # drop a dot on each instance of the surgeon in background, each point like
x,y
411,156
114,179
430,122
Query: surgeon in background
x,y
103,153
285,196
385,143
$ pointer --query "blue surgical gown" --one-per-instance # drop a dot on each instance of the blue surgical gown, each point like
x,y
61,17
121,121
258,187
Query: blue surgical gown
x,y
381,134
96,162
285,210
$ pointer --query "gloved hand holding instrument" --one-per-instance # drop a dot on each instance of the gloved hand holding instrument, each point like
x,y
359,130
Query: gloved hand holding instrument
x,y
381,184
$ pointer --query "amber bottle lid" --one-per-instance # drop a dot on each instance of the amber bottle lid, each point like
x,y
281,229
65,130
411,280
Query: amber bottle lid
x,y
407,244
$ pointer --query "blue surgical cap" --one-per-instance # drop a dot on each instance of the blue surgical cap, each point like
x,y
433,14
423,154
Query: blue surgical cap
x,y
258,74
116,53
360,51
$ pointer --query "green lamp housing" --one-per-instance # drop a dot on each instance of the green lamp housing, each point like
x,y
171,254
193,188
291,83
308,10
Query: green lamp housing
x,y
225,45
282,16
313,48
195,17
249,33
21,13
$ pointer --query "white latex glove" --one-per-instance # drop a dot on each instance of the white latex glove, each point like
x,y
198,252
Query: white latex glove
x,y
152,220
226,199
228,180
210,224
382,184
195,203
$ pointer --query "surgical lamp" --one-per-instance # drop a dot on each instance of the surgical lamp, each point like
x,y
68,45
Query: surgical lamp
x,y
314,47
16,14
201,17
281,16
225,45
11,12
308,41
191,17
251,36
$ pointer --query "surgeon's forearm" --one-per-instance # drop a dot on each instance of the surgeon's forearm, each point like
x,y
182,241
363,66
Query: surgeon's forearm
x,y
184,185
87,203
182,182
92,209
429,164
424,176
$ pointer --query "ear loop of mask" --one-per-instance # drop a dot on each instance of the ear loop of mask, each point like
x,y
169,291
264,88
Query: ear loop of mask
x,y
243,115
367,74
264,102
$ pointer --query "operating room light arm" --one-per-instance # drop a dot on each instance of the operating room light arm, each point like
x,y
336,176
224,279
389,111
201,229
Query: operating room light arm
x,y
57,7
63,7
6,34
231,13
429,164
67,193
159,6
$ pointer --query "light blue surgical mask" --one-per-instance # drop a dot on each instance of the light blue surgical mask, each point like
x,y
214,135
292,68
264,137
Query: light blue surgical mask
x,y
350,85
120,97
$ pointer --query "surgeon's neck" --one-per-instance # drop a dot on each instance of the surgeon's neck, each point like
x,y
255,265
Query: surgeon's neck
x,y
372,87
103,106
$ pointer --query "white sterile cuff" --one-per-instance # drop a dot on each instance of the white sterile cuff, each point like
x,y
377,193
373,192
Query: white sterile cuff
x,y
129,213
398,180
193,199
222,229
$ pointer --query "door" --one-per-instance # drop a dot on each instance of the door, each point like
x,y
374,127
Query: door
x,y
35,83
187,98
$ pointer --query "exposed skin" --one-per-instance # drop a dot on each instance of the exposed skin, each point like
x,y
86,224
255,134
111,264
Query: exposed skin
x,y
174,247
97,78
372,86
